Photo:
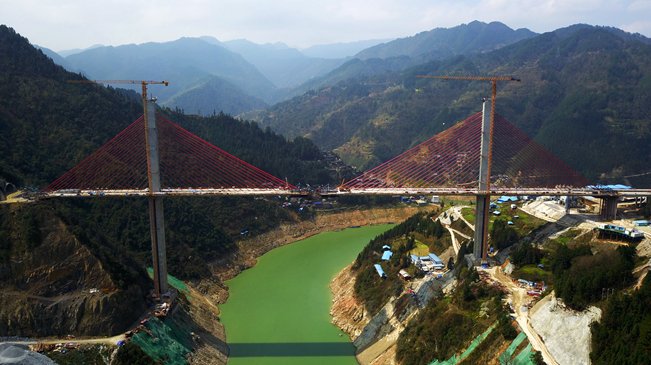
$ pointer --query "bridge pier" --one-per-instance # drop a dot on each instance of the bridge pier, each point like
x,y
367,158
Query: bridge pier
x,y
481,210
608,208
156,216
157,224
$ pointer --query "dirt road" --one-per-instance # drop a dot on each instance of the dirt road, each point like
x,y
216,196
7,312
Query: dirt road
x,y
520,298
455,245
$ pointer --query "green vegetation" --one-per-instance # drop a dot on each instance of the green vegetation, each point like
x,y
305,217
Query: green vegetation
x,y
623,335
374,291
580,276
527,254
199,229
462,227
646,210
501,234
132,354
468,214
214,94
444,328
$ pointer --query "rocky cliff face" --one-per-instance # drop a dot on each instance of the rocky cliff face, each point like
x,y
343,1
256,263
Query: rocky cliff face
x,y
45,290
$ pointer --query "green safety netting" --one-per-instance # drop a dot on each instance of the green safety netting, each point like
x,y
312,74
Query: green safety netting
x,y
178,284
524,358
454,359
170,345
505,357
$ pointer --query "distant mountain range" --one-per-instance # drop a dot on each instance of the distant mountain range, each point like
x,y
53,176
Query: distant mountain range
x,y
585,95
341,50
268,73
285,67
441,43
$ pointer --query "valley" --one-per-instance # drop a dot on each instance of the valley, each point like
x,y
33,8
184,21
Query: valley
x,y
558,284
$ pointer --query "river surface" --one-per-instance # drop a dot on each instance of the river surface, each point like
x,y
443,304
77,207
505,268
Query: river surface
x,y
278,312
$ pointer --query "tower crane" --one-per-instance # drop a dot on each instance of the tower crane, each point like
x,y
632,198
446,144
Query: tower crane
x,y
144,89
144,83
493,80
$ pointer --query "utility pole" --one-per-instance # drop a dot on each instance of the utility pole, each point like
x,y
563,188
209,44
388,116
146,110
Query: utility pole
x,y
485,161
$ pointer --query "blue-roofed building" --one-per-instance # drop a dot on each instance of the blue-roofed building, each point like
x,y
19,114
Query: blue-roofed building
x,y
386,256
424,258
435,259
386,247
641,223
380,272
510,223
414,259
437,263
504,199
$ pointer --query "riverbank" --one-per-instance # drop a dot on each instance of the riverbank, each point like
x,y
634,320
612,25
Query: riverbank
x,y
278,311
249,250
210,292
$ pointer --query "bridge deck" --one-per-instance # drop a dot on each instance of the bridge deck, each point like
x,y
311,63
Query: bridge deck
x,y
411,191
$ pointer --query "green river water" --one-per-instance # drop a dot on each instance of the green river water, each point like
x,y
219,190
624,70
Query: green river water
x,y
278,311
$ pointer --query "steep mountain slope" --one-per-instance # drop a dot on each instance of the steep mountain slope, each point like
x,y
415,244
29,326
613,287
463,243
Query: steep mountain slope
x,y
441,43
341,49
215,91
584,96
58,59
185,63
285,67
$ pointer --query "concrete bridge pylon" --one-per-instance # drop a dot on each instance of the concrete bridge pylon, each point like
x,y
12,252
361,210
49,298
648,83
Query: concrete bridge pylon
x,y
483,200
156,216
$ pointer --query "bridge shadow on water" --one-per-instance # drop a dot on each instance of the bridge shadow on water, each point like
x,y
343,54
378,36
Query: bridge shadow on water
x,y
291,349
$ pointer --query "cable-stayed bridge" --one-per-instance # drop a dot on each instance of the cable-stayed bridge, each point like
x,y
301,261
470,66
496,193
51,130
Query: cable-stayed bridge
x,y
154,157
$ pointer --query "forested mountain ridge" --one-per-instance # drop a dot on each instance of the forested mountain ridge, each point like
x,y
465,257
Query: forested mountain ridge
x,y
402,53
186,63
216,92
48,126
585,95
442,43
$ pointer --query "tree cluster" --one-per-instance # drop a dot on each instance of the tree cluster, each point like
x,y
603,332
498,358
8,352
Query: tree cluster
x,y
623,335
580,277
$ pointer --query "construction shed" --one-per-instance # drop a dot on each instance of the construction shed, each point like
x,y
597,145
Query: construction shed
x,y
641,223
435,259
386,256
404,275
380,271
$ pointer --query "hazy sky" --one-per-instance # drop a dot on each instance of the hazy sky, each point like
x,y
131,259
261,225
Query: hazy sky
x,y
66,24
